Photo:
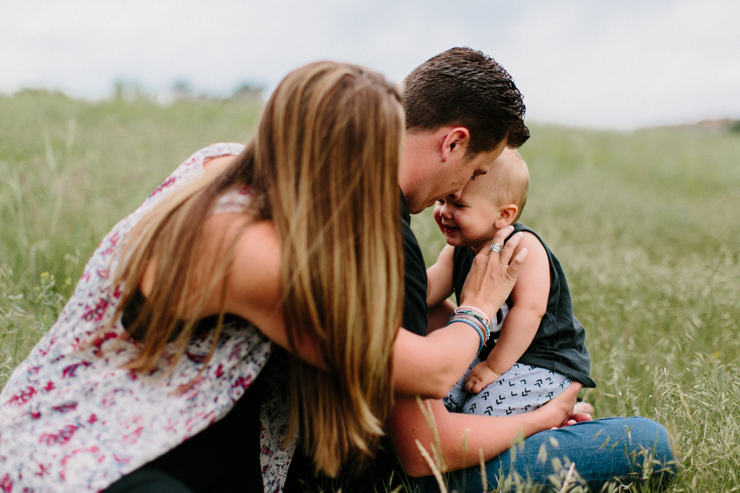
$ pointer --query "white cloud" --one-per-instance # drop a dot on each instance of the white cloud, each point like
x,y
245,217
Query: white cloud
x,y
616,64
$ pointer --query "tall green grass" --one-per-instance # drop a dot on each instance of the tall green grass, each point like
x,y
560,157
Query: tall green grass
x,y
644,224
69,170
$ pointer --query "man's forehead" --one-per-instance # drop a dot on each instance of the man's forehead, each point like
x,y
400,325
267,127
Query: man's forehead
x,y
487,158
475,188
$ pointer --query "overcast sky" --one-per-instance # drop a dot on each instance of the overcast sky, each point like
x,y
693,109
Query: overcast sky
x,y
603,63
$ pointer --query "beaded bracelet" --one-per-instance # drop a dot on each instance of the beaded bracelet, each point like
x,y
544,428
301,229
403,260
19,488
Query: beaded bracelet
x,y
476,310
473,323
476,319
470,311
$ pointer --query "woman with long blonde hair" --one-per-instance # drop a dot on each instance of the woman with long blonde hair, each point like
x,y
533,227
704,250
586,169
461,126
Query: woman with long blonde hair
x,y
295,241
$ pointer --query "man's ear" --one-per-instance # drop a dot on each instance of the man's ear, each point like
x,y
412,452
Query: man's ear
x,y
506,215
455,143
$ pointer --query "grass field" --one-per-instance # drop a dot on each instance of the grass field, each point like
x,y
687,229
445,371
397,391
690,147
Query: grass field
x,y
644,224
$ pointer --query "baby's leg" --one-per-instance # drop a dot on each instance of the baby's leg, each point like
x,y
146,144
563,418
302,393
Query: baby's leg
x,y
523,388
458,395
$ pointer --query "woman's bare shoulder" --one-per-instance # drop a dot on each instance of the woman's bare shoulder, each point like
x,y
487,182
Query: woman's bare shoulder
x,y
255,283
254,274
257,252
254,271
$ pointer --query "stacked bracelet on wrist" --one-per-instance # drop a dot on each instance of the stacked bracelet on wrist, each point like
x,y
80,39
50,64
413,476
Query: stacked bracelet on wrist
x,y
476,319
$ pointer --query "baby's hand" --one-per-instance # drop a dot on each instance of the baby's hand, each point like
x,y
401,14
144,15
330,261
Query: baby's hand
x,y
479,378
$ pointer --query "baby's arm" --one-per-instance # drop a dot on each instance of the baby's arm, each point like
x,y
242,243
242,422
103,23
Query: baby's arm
x,y
439,277
529,298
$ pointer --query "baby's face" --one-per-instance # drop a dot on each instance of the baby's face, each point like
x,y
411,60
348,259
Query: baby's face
x,y
469,220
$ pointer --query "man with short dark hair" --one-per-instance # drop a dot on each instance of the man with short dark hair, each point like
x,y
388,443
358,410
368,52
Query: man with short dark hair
x,y
462,109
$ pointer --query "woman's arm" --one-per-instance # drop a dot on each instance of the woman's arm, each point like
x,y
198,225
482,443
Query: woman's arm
x,y
431,365
439,277
491,435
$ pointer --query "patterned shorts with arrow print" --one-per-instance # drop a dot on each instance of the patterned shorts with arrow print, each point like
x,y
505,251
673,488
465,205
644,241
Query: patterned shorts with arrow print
x,y
523,388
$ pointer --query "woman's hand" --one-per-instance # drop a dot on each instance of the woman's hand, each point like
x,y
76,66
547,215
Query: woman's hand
x,y
493,274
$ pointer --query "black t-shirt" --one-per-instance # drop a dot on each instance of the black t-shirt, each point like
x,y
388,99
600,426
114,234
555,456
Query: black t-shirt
x,y
415,309
559,343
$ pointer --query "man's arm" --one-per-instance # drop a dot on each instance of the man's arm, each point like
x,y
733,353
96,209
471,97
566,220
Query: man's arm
x,y
439,315
439,277
491,435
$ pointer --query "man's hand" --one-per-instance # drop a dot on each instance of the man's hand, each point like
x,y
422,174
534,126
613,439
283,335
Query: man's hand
x,y
562,405
573,419
479,378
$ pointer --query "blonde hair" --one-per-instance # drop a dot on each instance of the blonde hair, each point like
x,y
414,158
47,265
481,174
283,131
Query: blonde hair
x,y
508,180
325,164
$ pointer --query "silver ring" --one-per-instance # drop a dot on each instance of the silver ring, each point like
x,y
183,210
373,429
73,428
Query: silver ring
x,y
495,247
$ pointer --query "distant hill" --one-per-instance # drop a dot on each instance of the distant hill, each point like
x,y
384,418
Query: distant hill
x,y
719,126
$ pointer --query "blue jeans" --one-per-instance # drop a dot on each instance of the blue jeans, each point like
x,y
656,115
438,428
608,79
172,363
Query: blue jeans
x,y
621,450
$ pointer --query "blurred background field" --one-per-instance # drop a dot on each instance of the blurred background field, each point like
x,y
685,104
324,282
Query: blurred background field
x,y
643,222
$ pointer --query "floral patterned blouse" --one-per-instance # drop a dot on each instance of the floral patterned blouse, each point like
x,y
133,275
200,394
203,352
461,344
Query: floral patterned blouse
x,y
71,419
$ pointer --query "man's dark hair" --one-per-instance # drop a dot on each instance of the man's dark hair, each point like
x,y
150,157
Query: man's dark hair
x,y
465,87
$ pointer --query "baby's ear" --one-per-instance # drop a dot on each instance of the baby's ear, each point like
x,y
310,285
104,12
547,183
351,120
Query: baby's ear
x,y
506,215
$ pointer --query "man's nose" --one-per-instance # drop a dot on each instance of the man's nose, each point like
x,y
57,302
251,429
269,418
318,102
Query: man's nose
x,y
455,195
